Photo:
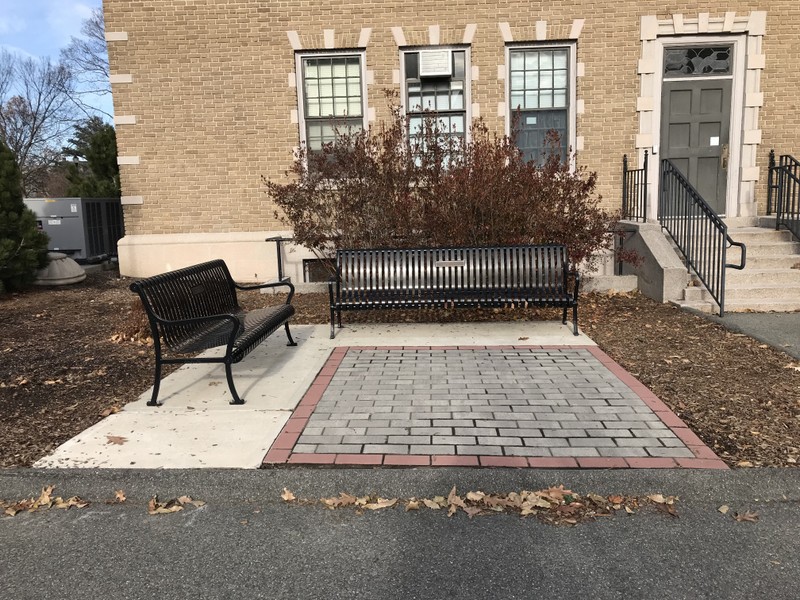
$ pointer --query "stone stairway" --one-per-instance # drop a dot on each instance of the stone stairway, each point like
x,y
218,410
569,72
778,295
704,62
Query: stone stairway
x,y
769,282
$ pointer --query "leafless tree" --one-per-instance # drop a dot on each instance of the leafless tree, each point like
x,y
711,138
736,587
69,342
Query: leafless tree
x,y
36,114
87,58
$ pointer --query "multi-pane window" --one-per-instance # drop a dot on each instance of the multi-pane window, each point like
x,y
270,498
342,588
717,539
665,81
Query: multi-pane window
x,y
332,97
436,81
539,95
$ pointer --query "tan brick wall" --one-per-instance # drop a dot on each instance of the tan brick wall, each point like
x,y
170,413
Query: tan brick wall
x,y
212,101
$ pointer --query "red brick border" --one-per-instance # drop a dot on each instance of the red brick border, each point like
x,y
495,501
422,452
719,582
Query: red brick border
x,y
281,450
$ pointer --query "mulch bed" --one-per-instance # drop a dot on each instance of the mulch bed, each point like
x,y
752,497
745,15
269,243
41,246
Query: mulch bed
x,y
71,356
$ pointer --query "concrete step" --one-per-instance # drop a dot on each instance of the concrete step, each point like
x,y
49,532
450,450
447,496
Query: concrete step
x,y
779,293
759,235
771,261
763,306
767,249
763,277
704,307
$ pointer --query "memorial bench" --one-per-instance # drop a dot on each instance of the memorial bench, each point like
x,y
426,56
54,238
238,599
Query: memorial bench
x,y
196,308
518,276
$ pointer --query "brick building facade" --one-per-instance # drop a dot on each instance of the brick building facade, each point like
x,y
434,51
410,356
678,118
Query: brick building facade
x,y
210,95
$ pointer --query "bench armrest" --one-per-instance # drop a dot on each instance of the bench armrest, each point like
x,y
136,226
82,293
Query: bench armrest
x,y
236,325
285,281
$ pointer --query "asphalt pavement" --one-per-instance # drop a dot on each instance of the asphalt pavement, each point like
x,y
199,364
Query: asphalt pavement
x,y
779,330
247,543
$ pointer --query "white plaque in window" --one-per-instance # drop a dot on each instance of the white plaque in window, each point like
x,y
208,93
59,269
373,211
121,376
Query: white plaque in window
x,y
435,63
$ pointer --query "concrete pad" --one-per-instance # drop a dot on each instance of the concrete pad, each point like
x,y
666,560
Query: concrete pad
x,y
197,427
544,333
172,440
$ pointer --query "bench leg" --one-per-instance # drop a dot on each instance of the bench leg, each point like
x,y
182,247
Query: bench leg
x,y
340,319
234,395
156,385
289,335
574,318
564,316
333,318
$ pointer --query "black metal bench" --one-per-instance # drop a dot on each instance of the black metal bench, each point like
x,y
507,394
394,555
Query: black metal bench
x,y
196,308
453,277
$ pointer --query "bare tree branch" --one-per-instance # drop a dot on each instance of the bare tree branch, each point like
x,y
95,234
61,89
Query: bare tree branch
x,y
87,58
36,114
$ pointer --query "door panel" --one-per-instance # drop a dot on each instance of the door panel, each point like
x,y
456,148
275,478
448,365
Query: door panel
x,y
695,128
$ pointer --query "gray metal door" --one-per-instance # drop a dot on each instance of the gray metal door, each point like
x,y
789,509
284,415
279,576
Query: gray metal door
x,y
695,127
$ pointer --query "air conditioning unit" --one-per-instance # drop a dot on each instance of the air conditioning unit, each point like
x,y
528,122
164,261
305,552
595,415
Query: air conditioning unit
x,y
83,228
435,63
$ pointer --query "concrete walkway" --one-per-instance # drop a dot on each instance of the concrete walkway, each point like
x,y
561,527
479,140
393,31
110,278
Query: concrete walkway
x,y
487,394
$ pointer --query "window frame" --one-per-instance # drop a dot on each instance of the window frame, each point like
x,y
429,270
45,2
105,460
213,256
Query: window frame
x,y
300,57
467,49
572,82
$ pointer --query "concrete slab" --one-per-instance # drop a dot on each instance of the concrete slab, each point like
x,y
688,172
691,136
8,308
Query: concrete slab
x,y
172,440
197,428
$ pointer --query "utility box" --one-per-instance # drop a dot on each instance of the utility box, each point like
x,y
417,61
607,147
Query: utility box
x,y
82,228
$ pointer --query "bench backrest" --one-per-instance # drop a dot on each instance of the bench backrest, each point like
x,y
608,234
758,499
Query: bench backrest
x,y
197,291
415,270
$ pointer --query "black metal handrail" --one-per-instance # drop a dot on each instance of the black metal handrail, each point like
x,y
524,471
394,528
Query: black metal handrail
x,y
634,190
784,179
701,236
786,162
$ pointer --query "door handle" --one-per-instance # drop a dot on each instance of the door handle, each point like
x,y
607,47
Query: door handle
x,y
723,157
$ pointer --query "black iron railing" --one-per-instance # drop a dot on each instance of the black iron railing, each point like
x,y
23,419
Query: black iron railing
x,y
783,192
701,236
279,240
634,190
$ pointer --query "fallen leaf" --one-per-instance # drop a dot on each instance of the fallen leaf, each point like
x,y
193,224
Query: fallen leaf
x,y
658,498
745,464
747,516
724,509
522,339
164,510
475,496
472,511
431,504
381,503
184,500
119,496
412,505
346,499
287,495
116,439
453,499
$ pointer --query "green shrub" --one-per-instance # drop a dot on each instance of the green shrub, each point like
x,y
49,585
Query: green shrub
x,y
23,248
383,188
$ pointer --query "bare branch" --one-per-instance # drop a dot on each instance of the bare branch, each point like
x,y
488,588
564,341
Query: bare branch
x,y
36,114
87,57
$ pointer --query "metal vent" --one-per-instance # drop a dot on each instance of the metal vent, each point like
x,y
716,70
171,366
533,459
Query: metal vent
x,y
435,63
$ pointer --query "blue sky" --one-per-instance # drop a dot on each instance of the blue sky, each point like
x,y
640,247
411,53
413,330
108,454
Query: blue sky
x,y
42,27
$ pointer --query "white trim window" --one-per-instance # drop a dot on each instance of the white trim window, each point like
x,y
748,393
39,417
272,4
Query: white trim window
x,y
331,96
541,97
436,80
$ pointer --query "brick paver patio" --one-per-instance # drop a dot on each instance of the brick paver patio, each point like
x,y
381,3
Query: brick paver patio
x,y
491,406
